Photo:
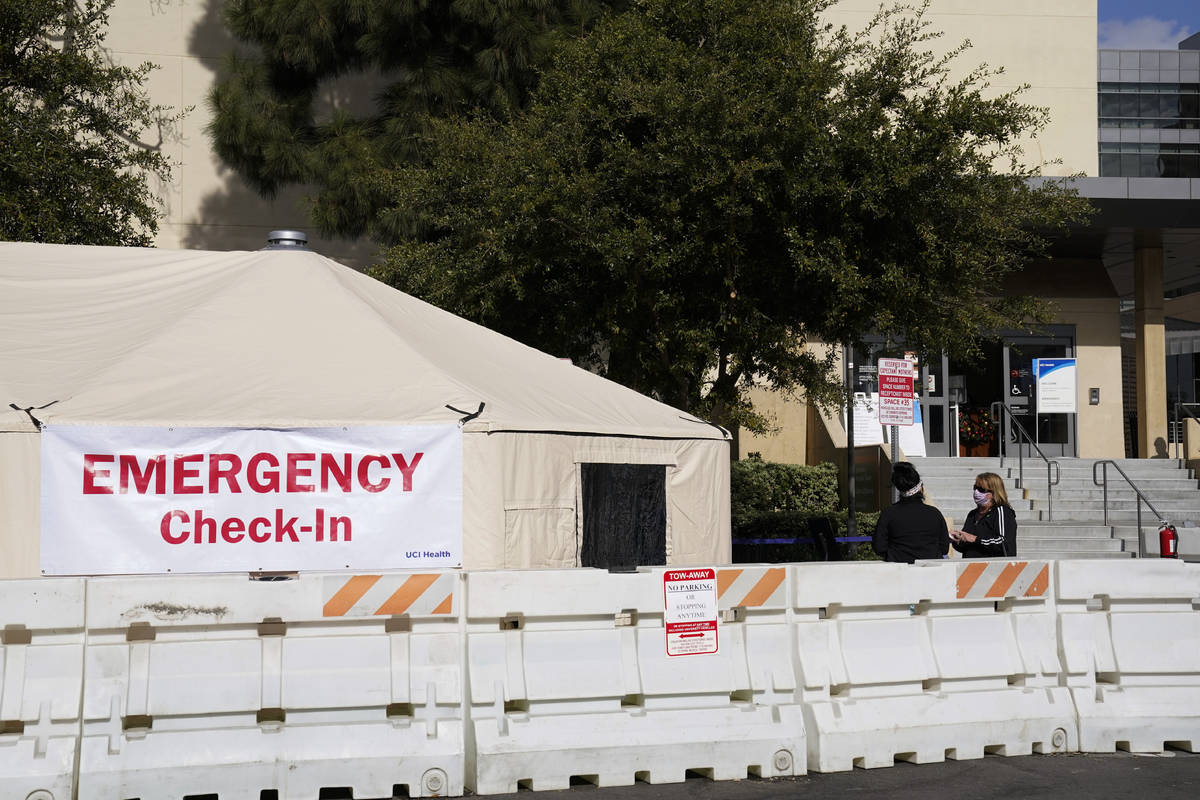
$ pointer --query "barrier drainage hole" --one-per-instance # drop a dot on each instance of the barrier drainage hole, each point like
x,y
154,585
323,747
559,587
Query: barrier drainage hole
x,y
901,758
336,793
705,773
209,796
525,785
399,710
995,750
400,790
268,794
585,780
754,771
641,776
1184,745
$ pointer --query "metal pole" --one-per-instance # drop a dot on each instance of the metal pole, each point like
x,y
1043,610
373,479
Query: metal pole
x,y
1104,478
1138,497
851,522
1049,494
895,458
1178,430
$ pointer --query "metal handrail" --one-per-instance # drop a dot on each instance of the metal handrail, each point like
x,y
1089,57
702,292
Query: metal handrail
x,y
1179,430
1141,499
1052,469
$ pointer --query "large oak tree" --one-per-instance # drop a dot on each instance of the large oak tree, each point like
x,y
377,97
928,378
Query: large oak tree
x,y
698,190
76,166
276,119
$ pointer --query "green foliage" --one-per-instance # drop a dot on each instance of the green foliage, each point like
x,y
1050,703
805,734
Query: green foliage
x,y
782,501
758,487
697,190
280,114
72,167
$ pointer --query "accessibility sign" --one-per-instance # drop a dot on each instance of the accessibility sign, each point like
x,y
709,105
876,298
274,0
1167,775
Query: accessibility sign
x,y
690,602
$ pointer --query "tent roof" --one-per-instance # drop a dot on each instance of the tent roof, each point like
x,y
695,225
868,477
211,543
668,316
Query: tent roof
x,y
274,339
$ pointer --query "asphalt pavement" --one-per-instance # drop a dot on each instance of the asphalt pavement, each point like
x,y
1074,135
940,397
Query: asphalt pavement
x,y
1167,776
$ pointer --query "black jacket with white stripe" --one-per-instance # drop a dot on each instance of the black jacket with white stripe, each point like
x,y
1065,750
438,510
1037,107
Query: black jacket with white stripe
x,y
990,541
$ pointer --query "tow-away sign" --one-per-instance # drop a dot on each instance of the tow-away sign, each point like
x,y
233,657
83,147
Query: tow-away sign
x,y
690,598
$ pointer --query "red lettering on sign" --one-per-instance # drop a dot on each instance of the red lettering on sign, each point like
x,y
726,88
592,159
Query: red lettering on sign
x,y
217,472
342,476
91,472
406,469
230,526
257,524
204,528
295,472
284,529
364,473
165,527
155,468
335,524
182,473
260,480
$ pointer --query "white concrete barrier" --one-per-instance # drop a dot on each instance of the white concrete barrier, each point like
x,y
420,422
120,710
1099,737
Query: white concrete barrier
x,y
903,663
571,681
227,686
41,674
1131,648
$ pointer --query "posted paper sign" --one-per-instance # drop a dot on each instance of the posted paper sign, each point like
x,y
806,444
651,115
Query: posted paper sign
x,y
1055,385
690,596
895,391
127,500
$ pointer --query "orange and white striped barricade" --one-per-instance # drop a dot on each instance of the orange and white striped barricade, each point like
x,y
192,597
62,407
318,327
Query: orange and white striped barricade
x,y
1131,649
906,663
41,675
220,685
571,678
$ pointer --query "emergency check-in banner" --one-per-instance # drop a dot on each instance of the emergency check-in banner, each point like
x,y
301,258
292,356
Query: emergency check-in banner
x,y
121,500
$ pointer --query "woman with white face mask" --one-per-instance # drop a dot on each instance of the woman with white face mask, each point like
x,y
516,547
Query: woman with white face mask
x,y
991,527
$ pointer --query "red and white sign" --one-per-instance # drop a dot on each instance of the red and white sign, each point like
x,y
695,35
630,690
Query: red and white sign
x,y
121,500
895,391
690,600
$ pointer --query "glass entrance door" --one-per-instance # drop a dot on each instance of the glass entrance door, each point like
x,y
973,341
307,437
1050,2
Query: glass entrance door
x,y
937,416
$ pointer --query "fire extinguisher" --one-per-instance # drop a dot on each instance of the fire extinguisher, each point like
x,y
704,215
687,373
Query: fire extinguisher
x,y
1168,540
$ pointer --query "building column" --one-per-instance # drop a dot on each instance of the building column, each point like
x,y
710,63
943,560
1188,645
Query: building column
x,y
1151,352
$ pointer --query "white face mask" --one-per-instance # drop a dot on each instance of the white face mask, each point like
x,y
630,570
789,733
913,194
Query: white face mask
x,y
981,497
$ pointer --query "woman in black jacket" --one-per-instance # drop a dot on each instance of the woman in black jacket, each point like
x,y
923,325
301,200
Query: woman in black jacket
x,y
909,529
991,527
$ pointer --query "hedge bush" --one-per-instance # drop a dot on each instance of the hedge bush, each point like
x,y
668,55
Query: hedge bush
x,y
759,486
789,501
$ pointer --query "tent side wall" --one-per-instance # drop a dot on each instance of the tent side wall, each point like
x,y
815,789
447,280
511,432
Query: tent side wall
x,y
20,501
523,496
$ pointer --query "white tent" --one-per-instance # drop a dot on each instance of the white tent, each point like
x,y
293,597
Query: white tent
x,y
279,340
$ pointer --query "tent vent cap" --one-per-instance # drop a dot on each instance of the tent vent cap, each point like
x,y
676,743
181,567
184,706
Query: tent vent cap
x,y
287,240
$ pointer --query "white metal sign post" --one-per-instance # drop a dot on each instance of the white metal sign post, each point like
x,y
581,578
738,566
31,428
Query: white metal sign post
x,y
690,601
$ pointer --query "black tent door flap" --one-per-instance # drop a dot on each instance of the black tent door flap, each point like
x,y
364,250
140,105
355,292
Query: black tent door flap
x,y
624,515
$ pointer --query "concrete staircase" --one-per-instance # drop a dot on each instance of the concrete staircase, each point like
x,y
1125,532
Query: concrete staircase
x,y
1077,529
